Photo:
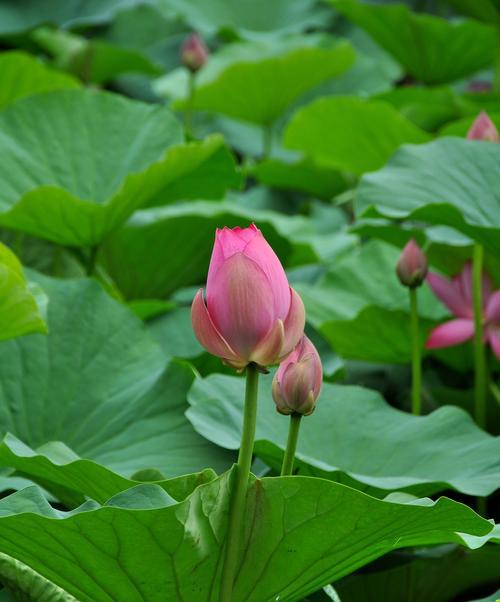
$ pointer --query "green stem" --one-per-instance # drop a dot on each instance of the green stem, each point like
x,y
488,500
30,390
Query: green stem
x,y
479,347
416,364
496,68
188,113
237,512
291,445
267,140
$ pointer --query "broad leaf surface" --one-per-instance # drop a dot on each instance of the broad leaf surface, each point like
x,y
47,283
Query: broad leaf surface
x,y
22,75
350,133
353,431
448,182
174,552
431,49
258,81
100,384
112,156
21,304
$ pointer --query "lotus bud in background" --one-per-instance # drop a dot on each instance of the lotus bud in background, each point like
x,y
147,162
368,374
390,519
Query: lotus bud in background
x,y
251,315
412,265
483,129
194,53
297,383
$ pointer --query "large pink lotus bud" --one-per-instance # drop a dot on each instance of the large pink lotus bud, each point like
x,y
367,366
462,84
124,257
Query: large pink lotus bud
x,y
251,314
297,383
483,129
412,265
194,53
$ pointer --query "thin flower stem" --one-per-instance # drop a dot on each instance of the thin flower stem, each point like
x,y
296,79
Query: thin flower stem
x,y
496,69
188,113
291,444
416,363
479,347
240,484
267,140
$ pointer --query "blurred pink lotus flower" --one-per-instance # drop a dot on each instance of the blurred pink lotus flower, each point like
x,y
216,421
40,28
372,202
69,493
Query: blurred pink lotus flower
x,y
194,53
483,129
412,265
251,314
297,383
456,294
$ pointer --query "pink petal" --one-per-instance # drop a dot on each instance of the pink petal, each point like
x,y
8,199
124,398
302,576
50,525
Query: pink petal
x,y
228,242
494,339
206,332
268,351
450,333
261,252
464,281
241,304
294,323
483,128
450,293
493,308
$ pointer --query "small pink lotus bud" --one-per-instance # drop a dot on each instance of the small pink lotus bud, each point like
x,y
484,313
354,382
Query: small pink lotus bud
x,y
194,53
412,265
297,383
251,314
483,129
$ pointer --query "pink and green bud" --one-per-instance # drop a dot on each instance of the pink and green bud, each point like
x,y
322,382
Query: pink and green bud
x,y
194,53
483,129
251,315
412,265
297,383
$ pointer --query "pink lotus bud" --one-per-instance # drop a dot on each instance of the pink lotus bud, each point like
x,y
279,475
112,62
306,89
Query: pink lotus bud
x,y
194,53
483,129
297,383
412,265
251,314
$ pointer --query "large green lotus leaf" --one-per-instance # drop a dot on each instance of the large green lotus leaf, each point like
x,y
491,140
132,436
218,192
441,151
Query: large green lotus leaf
x,y
258,81
449,182
22,75
73,479
482,10
112,156
100,384
354,432
250,18
350,133
362,310
173,552
183,237
493,598
431,49
77,163
420,575
17,17
21,304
